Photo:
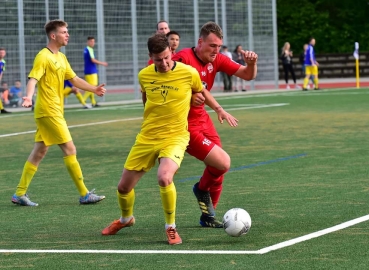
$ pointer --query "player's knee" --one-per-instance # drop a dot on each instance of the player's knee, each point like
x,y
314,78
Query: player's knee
x,y
123,189
225,163
165,179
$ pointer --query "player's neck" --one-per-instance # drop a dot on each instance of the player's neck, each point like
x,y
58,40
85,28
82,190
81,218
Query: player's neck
x,y
198,55
53,47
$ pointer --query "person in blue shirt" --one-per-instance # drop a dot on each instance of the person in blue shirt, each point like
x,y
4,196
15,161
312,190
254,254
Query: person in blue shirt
x,y
91,68
15,93
311,66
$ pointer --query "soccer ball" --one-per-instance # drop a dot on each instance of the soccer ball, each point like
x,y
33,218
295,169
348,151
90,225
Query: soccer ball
x,y
236,222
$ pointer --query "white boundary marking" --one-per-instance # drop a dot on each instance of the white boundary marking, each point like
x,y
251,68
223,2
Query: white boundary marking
x,y
248,106
224,252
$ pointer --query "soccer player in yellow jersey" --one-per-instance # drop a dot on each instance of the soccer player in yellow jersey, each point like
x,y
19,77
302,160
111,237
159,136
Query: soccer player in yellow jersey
x,y
50,69
167,88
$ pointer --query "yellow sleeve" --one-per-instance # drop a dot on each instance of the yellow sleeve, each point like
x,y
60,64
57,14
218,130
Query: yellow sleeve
x,y
39,67
140,82
69,73
196,81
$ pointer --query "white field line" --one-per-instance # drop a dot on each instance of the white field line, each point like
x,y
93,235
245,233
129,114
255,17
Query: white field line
x,y
257,106
74,126
223,252
314,234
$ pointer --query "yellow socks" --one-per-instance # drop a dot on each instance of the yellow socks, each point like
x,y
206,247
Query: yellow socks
x,y
126,202
80,98
91,96
306,81
1,105
75,173
316,82
169,199
29,171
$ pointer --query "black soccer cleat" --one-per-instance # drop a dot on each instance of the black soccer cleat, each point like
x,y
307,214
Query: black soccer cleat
x,y
5,111
204,201
210,221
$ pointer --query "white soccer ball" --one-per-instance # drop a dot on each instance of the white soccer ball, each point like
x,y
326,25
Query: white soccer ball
x,y
236,222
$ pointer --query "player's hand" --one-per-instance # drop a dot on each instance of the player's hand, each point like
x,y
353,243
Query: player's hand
x,y
27,102
100,90
197,99
223,115
105,64
249,57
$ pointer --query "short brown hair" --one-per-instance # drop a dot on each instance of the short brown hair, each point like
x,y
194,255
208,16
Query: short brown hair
x,y
211,27
51,26
157,43
161,21
90,37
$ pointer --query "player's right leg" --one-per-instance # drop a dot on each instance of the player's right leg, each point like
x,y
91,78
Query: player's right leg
x,y
126,200
30,168
140,159
93,80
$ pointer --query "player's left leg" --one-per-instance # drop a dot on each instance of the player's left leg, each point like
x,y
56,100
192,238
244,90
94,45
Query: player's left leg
x,y
208,189
2,110
170,157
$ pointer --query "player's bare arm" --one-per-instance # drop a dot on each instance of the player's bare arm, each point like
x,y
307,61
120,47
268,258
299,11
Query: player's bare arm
x,y
249,71
30,90
82,84
97,62
222,114
197,99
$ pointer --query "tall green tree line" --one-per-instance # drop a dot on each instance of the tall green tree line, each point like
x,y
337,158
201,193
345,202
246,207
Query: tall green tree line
x,y
335,24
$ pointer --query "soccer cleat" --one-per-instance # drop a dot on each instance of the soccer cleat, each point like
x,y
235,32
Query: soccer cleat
x,y
96,105
173,236
23,200
87,106
316,88
91,197
210,221
297,86
304,89
5,111
204,200
116,226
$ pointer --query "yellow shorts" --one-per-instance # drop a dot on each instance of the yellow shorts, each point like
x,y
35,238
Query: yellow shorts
x,y
311,70
52,130
92,79
145,151
67,91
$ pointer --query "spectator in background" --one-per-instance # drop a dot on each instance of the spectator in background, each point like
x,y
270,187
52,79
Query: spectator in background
x,y
238,58
311,65
16,93
286,58
227,79
302,62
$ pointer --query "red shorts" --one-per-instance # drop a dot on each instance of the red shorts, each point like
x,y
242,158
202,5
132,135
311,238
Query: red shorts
x,y
203,137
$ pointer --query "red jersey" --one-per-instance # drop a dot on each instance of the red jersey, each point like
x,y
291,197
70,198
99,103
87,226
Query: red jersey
x,y
207,73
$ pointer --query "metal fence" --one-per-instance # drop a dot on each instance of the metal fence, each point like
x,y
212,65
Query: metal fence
x,y
121,29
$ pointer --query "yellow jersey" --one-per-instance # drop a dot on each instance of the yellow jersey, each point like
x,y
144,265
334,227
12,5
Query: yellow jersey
x,y
50,70
168,97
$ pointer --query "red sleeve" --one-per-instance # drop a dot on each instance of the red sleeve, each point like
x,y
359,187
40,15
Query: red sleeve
x,y
227,65
180,57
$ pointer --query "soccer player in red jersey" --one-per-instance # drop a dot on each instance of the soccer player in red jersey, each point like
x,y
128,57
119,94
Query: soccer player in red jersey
x,y
205,143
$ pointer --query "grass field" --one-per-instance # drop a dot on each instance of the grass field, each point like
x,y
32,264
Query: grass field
x,y
299,165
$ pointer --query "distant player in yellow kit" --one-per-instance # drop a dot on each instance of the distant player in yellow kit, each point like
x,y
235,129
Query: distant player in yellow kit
x,y
50,69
